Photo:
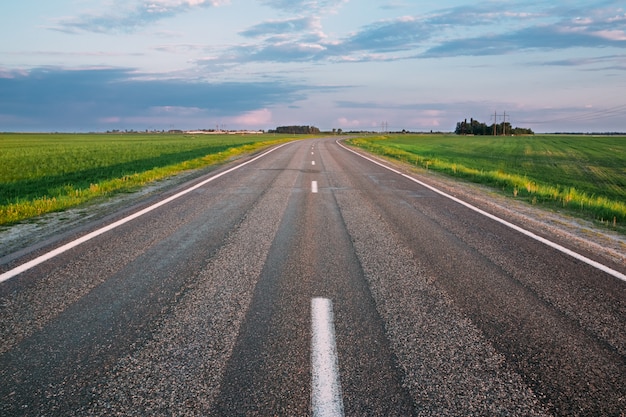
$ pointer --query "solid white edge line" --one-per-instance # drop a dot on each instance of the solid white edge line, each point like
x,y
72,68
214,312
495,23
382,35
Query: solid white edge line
x,y
528,233
326,397
314,187
49,255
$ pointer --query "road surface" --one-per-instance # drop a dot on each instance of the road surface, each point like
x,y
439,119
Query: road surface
x,y
309,281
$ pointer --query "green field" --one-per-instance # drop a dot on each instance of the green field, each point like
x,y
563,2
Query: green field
x,y
584,175
42,173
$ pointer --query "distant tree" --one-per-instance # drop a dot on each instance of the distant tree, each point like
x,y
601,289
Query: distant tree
x,y
298,130
521,131
474,127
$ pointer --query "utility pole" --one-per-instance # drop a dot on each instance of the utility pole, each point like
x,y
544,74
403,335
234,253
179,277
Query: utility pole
x,y
495,123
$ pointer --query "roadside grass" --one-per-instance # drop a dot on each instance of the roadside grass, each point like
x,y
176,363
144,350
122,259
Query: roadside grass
x,y
43,173
583,175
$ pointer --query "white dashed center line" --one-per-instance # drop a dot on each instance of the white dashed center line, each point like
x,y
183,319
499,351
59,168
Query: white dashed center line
x,y
314,186
326,399
312,162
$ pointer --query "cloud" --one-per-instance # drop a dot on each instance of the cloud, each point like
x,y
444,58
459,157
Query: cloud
x,y
574,62
600,63
9,73
255,118
57,99
485,31
346,122
600,28
280,52
281,27
311,6
301,39
404,33
612,35
181,48
131,18
393,5
368,44
79,54
545,37
428,36
479,14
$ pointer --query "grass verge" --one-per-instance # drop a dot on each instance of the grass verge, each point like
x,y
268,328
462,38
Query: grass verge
x,y
49,173
585,176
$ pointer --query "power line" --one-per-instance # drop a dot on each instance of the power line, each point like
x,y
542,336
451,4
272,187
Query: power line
x,y
594,115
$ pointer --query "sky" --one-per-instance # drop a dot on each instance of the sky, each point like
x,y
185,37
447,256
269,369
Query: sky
x,y
87,65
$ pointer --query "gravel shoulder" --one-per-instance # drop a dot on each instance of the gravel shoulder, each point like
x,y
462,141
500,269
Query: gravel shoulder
x,y
579,234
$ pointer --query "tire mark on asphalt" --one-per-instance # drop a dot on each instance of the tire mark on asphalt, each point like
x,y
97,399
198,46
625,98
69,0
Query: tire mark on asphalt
x,y
450,368
179,371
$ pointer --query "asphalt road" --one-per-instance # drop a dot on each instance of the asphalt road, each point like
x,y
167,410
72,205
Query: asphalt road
x,y
203,306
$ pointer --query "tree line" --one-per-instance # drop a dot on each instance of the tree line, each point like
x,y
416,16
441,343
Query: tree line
x,y
474,127
296,130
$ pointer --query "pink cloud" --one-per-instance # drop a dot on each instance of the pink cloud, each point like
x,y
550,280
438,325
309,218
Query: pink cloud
x,y
254,118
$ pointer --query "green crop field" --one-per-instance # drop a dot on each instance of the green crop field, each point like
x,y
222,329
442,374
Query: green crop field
x,y
585,175
41,173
